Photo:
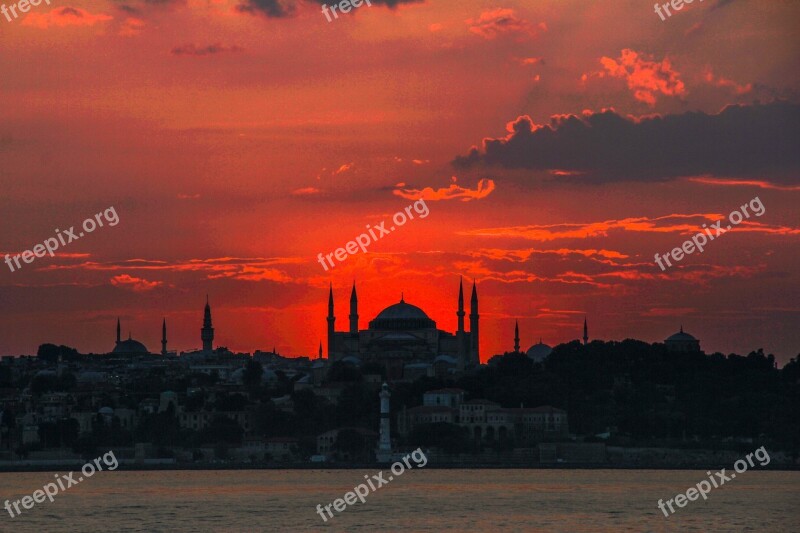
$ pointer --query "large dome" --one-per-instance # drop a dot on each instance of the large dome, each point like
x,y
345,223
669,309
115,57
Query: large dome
x,y
402,310
130,346
402,316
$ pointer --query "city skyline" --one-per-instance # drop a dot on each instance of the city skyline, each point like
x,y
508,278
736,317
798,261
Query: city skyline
x,y
208,345
558,146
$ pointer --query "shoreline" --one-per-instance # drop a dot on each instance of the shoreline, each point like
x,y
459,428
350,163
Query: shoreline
x,y
23,468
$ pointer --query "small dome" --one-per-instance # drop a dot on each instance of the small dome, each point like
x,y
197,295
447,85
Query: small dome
x,y
130,346
539,352
681,336
682,342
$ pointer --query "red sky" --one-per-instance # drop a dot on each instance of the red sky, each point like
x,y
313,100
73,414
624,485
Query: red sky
x,y
236,145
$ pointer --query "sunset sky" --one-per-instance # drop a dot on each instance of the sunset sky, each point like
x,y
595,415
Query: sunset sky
x,y
559,145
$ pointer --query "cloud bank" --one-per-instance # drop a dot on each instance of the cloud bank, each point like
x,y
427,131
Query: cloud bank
x,y
742,141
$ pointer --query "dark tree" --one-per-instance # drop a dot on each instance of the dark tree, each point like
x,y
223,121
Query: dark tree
x,y
252,374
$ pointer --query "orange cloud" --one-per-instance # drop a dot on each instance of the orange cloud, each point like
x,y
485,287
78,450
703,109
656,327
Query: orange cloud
x,y
496,22
524,255
666,224
306,191
200,51
744,183
719,81
64,16
344,168
131,27
531,61
670,311
230,267
249,273
645,77
484,189
124,281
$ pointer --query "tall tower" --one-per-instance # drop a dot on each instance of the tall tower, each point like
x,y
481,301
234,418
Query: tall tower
x,y
164,337
516,336
473,327
353,311
585,332
118,331
207,333
384,454
461,312
461,335
331,320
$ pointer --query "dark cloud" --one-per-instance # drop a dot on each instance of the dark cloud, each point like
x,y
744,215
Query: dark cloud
x,y
270,8
129,9
388,3
286,8
707,14
759,140
69,11
137,7
192,50
721,4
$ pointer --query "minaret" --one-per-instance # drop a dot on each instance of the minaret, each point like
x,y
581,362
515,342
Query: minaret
x,y
353,311
164,337
331,320
118,331
319,356
516,336
384,454
461,335
473,327
207,333
460,312
585,332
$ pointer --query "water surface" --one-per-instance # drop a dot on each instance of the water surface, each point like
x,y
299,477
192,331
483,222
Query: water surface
x,y
419,500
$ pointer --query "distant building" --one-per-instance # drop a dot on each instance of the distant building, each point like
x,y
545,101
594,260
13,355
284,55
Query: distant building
x,y
682,342
129,346
425,414
403,336
539,352
443,398
326,442
280,447
485,420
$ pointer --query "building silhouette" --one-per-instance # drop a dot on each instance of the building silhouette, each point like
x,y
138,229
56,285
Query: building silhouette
x,y
406,339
